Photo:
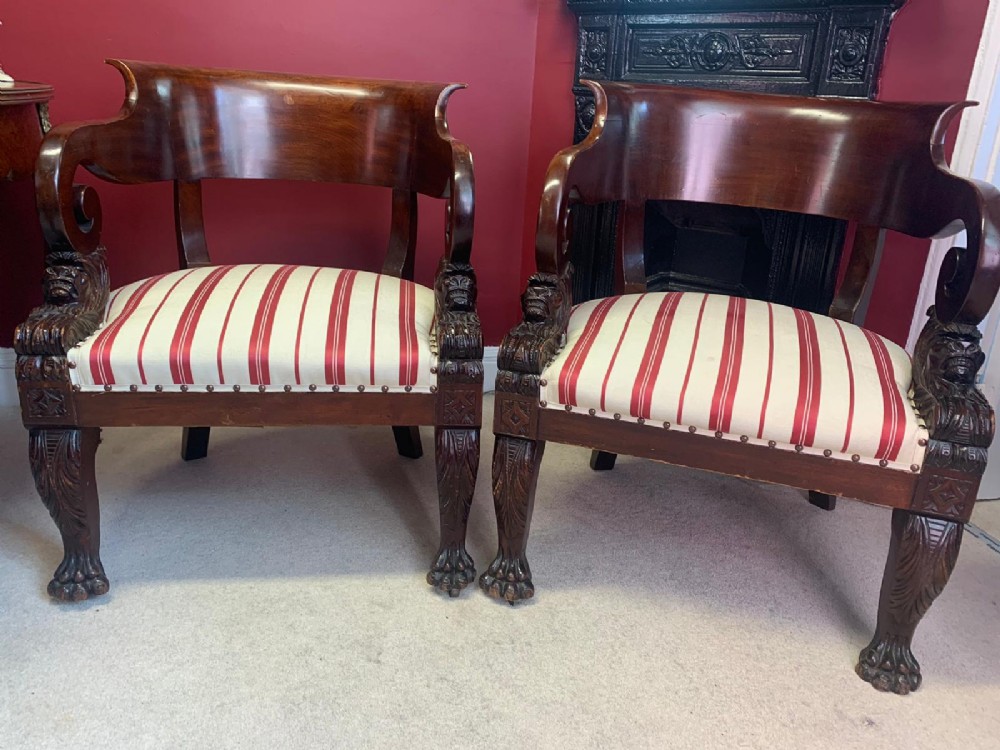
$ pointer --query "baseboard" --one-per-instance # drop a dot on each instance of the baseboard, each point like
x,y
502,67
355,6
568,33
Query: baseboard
x,y
490,368
8,385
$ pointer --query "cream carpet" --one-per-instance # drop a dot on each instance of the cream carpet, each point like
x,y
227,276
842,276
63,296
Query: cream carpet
x,y
272,596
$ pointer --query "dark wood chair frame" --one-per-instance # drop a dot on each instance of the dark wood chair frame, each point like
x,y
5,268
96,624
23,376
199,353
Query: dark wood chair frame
x,y
637,151
388,134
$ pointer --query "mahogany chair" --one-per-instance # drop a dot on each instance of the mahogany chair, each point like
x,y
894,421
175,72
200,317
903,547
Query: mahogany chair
x,y
252,344
746,387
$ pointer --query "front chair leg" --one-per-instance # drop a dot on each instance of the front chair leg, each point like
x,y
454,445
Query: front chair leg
x,y
457,455
922,554
515,475
62,461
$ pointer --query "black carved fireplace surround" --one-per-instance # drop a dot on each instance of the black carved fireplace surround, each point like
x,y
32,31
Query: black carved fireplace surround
x,y
803,47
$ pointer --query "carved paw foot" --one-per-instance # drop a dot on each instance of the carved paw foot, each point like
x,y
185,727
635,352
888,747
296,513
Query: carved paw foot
x,y
508,578
889,666
79,577
452,571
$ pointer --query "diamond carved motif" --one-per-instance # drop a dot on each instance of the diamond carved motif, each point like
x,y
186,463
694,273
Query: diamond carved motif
x,y
948,495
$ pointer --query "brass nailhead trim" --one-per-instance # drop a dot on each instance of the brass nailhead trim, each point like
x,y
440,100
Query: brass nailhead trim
x,y
771,443
408,388
744,438
72,365
692,429
922,442
434,389
618,416
133,388
158,388
798,448
718,433
591,412
107,388
827,452
361,389
236,388
434,371
77,388
855,458
543,404
883,463
543,382
666,425
914,468
640,420
568,407
336,389
288,389
385,389
210,388
184,389
261,388
312,386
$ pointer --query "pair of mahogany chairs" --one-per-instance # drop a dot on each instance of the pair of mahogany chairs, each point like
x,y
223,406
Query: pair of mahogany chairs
x,y
727,384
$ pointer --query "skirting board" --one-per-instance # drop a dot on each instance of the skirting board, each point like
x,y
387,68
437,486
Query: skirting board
x,y
8,386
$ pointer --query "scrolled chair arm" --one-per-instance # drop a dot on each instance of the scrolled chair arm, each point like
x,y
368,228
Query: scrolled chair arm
x,y
591,171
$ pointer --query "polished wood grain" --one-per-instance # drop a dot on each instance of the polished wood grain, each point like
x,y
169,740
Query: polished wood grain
x,y
188,125
878,165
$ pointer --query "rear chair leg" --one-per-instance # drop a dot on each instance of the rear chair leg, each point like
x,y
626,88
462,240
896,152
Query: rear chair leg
x,y
408,441
602,460
194,443
823,500
457,455
62,461
922,554
515,475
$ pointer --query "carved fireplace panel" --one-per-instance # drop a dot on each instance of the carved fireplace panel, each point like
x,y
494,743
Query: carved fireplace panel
x,y
802,47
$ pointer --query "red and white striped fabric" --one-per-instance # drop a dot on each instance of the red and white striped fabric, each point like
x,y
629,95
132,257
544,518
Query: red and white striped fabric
x,y
741,368
252,325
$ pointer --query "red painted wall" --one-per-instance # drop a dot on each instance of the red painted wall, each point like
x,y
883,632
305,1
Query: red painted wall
x,y
517,58
929,57
489,45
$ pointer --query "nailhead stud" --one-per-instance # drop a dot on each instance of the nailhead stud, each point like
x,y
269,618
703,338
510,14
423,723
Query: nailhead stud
x,y
261,388
771,443
692,429
434,371
107,388
336,389
568,407
184,389
798,448
922,442
640,420
543,404
914,468
718,433
591,412
827,452
288,389
77,388
236,388
385,389
744,438
618,416
543,382
666,425
133,388
158,388
361,389
72,365
312,386
210,388
855,458
883,463
434,389
408,388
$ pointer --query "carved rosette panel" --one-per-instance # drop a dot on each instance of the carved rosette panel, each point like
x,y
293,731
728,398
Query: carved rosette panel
x,y
460,405
516,416
949,496
850,53
594,46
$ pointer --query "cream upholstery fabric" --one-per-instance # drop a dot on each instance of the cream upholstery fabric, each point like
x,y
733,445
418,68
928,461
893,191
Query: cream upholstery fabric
x,y
253,325
741,368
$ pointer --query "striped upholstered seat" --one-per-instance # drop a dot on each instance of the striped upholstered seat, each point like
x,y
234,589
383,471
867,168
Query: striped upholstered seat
x,y
262,325
743,370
